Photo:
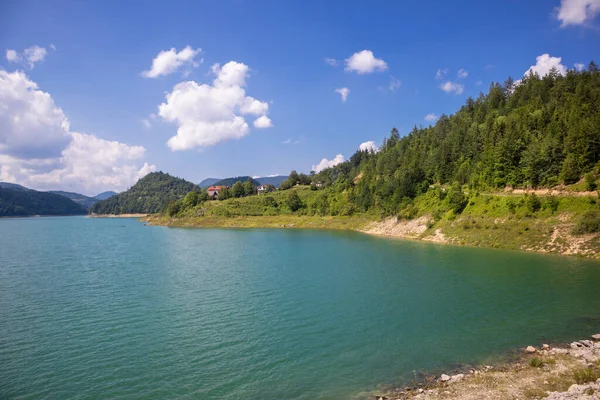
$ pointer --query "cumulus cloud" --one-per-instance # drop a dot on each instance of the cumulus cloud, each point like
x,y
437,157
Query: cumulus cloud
x,y
431,117
364,62
29,57
452,87
368,146
38,149
325,163
262,122
31,125
441,73
332,61
209,114
344,92
462,73
579,67
577,12
544,64
169,61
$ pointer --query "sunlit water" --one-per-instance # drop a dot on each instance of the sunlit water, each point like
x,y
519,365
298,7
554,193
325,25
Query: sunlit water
x,y
110,308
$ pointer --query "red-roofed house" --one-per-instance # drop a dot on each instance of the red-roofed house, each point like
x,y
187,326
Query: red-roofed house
x,y
213,191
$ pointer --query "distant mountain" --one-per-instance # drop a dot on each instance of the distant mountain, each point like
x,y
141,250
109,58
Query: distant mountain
x,y
13,186
149,195
208,182
272,180
105,195
22,202
230,181
85,201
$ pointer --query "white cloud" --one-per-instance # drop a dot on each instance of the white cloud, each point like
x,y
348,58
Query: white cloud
x,y
368,146
431,117
325,163
262,122
169,61
344,92
452,87
29,56
579,67
31,125
544,64
146,123
364,62
287,141
332,61
441,73
462,73
479,83
394,84
38,150
577,12
209,114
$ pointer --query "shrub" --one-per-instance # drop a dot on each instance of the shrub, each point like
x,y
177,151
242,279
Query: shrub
x,y
589,222
590,182
533,203
586,375
293,201
536,362
552,203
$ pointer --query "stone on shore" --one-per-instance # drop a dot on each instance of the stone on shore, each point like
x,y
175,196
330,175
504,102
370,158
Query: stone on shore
x,y
530,349
456,378
444,378
596,336
545,347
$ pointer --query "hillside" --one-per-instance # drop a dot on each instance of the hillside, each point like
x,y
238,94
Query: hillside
x,y
208,182
78,198
272,180
517,168
149,195
13,186
25,202
105,195
230,181
541,132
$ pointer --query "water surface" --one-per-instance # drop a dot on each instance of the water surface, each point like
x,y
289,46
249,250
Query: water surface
x,y
110,308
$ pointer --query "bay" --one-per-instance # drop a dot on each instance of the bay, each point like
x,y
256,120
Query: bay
x,y
111,308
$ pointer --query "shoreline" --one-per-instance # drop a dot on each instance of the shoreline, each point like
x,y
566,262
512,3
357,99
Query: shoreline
x,y
561,372
117,215
547,238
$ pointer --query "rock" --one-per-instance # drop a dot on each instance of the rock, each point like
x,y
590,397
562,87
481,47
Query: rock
x,y
573,388
530,349
587,343
576,345
596,336
444,378
421,390
545,347
456,378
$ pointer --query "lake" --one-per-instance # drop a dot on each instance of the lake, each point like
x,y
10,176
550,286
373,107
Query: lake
x,y
110,308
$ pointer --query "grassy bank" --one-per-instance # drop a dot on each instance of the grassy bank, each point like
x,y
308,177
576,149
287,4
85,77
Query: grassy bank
x,y
560,224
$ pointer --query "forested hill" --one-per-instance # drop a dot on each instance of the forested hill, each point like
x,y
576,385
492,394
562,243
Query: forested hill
x,y
24,202
149,195
78,198
539,132
230,181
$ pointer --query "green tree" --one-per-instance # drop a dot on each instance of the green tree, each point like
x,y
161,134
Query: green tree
x,y
590,182
237,190
293,201
249,188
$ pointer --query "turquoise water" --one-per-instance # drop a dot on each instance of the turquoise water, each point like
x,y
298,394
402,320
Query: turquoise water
x,y
110,308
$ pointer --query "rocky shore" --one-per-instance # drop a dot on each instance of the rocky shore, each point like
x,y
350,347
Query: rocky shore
x,y
555,373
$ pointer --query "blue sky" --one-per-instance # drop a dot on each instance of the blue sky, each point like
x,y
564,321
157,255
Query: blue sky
x,y
95,54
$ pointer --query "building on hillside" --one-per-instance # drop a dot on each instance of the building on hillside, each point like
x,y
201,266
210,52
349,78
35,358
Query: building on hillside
x,y
265,189
213,191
